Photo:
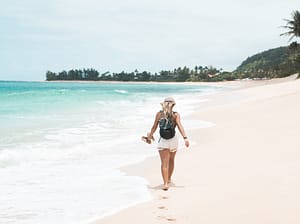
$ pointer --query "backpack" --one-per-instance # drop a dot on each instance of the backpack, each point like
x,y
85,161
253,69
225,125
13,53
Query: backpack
x,y
167,127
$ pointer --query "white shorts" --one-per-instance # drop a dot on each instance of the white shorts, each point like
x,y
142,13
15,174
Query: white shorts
x,y
171,144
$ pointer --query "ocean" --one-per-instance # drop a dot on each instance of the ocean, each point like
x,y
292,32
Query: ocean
x,y
62,145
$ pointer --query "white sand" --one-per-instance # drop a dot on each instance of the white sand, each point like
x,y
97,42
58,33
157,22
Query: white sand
x,y
246,169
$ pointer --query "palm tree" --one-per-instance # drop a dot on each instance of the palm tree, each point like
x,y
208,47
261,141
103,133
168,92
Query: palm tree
x,y
293,26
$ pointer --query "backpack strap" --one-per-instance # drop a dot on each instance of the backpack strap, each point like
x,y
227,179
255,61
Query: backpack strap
x,y
172,117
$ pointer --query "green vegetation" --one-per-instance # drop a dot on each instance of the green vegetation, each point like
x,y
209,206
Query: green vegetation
x,y
278,62
273,63
293,27
199,73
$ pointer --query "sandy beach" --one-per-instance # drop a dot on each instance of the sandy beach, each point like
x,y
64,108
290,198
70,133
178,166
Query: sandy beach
x,y
245,169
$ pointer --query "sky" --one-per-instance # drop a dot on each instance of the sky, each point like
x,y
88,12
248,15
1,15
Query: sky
x,y
124,35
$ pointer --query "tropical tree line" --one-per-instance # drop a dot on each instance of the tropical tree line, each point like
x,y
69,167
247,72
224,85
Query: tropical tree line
x,y
273,63
198,73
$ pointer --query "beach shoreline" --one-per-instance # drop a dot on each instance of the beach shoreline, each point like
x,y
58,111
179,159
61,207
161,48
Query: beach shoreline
x,y
245,176
235,82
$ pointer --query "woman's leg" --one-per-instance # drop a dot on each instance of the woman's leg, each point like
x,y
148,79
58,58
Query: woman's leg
x,y
171,165
165,157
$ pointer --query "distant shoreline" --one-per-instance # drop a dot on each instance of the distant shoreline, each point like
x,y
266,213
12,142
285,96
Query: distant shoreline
x,y
234,83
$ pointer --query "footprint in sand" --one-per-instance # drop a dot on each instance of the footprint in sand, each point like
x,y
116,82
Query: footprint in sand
x,y
163,197
161,207
170,219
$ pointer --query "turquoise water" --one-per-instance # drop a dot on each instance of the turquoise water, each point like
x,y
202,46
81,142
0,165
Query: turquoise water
x,y
30,106
62,144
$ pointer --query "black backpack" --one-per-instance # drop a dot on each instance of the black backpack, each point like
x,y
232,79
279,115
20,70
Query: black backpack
x,y
167,127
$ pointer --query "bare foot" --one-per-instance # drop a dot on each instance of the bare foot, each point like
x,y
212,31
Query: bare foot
x,y
165,187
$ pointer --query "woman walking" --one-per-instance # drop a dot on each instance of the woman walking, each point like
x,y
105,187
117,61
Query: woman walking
x,y
167,145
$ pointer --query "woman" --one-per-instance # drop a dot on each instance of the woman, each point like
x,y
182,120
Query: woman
x,y
167,147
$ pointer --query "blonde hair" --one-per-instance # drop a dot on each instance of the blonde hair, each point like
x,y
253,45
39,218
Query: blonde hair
x,y
167,108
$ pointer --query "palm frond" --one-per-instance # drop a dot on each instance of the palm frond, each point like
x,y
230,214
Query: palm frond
x,y
293,26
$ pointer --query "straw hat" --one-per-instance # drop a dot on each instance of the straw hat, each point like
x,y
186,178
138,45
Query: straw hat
x,y
169,100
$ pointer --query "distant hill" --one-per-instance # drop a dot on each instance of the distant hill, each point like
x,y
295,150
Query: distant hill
x,y
273,63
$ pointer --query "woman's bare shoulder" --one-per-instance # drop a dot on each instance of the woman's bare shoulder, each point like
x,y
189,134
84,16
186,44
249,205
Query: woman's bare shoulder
x,y
158,114
176,114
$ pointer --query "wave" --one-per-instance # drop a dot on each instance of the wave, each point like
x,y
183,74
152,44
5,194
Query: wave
x,y
121,91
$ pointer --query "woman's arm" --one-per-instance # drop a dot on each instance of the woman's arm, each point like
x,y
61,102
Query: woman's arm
x,y
181,130
154,126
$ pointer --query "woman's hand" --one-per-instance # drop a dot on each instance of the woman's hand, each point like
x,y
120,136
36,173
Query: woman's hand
x,y
186,142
